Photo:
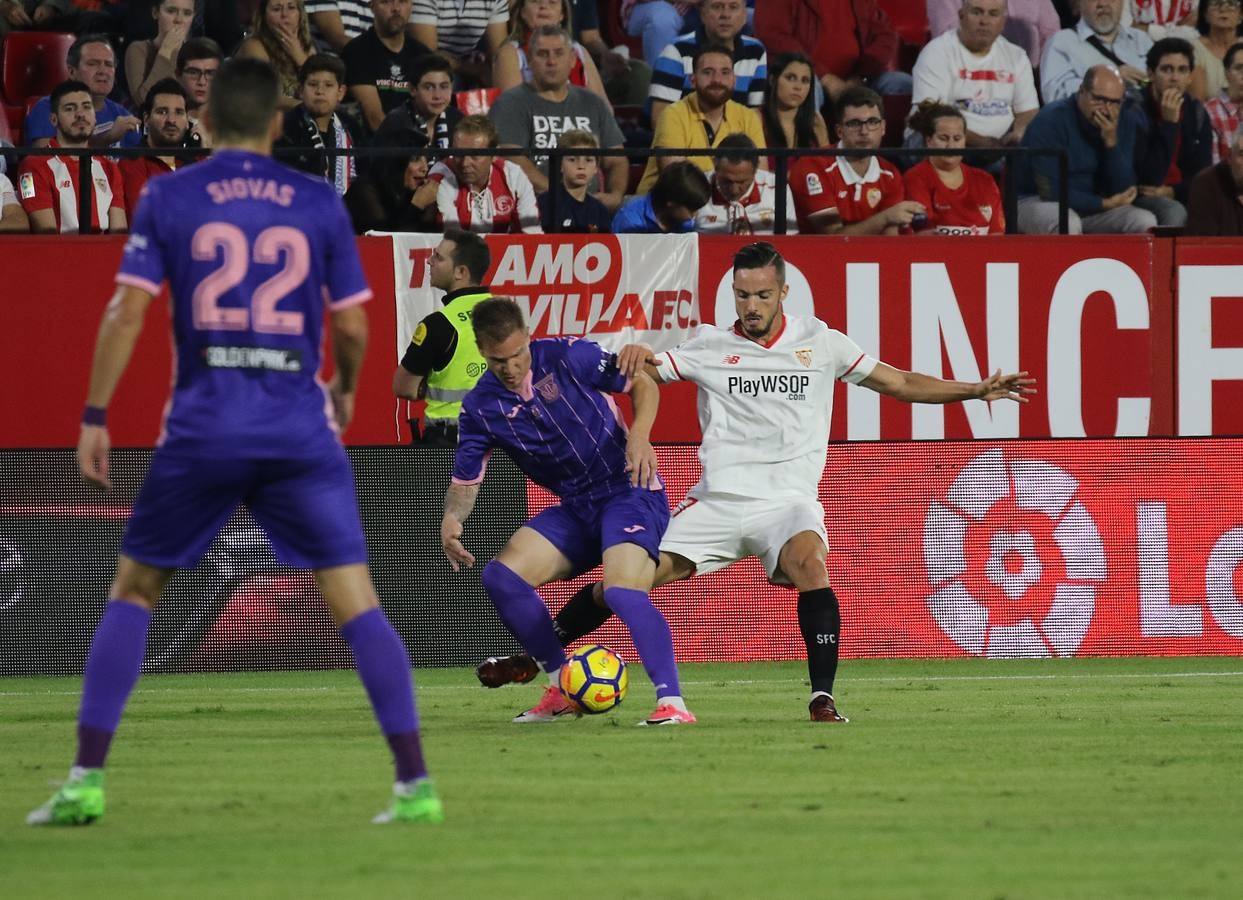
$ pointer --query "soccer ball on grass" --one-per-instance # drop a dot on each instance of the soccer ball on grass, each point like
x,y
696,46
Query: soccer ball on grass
x,y
594,680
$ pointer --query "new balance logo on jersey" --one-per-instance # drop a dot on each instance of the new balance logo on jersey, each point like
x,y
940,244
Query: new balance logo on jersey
x,y
794,387
732,360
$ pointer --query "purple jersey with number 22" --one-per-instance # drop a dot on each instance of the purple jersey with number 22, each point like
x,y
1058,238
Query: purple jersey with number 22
x,y
248,293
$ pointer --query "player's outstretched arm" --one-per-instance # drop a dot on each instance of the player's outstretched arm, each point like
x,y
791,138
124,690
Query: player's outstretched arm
x,y
349,343
915,387
459,501
114,345
640,457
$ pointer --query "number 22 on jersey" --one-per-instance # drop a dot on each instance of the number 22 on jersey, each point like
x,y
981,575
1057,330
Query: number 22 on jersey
x,y
236,256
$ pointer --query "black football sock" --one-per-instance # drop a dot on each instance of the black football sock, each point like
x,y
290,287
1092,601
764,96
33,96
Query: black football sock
x,y
820,621
580,616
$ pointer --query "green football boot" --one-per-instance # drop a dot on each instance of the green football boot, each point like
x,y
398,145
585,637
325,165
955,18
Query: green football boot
x,y
413,802
80,800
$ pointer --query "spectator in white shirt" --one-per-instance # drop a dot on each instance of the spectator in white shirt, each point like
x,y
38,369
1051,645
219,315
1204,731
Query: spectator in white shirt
x,y
1029,23
981,73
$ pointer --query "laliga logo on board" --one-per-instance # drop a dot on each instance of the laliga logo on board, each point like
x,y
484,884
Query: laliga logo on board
x,y
1014,558
798,302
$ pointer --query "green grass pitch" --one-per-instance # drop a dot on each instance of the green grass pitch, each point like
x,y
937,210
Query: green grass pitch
x,y
967,778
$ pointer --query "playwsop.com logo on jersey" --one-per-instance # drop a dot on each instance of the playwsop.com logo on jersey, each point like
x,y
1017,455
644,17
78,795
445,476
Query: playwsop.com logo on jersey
x,y
1014,559
788,387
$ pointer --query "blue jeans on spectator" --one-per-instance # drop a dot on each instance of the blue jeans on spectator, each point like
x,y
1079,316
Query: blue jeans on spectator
x,y
658,23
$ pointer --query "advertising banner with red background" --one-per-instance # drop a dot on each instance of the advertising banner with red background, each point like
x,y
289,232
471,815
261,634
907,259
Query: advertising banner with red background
x,y
1092,317
1005,549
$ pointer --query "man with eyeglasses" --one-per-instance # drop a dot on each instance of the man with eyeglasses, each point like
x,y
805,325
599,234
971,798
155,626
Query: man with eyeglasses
x,y
1097,133
1174,137
1098,38
853,194
198,60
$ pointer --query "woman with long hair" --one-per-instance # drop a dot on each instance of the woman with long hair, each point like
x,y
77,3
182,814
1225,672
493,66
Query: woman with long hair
x,y
511,67
280,33
1220,25
147,62
789,112
959,199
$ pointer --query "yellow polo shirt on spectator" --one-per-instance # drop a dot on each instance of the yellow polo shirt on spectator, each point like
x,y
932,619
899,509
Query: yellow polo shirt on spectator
x,y
682,126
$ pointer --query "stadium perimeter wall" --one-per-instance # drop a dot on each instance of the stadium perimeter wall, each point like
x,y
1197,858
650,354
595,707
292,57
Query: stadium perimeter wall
x,y
1104,518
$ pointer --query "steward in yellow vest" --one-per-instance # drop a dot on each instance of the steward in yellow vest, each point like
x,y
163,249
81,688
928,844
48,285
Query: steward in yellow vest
x,y
443,363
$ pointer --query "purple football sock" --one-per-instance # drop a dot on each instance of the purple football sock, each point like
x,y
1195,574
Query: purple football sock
x,y
524,614
651,636
111,672
384,668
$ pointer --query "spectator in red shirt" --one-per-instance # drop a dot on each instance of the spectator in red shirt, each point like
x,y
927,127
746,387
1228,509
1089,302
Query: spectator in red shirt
x,y
852,194
959,199
165,122
48,185
850,42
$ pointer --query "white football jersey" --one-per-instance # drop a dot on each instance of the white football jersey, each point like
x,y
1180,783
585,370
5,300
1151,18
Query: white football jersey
x,y
765,410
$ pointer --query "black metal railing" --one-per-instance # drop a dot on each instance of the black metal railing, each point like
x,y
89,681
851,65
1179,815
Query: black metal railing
x,y
781,157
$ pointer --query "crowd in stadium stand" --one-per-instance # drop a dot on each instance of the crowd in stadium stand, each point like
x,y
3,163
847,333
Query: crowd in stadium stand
x,y
1141,96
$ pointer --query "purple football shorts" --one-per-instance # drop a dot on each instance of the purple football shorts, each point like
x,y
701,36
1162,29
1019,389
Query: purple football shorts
x,y
307,507
583,532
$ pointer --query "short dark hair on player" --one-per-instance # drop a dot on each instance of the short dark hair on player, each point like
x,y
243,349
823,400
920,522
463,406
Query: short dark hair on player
x,y
163,86
761,255
74,57
198,48
322,62
470,250
243,98
681,184
1168,47
495,319
69,86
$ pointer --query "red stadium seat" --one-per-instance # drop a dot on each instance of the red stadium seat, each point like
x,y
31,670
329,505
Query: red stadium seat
x,y
897,108
33,63
614,32
910,20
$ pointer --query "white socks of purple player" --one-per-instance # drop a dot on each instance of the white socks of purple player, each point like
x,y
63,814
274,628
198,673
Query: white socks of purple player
x,y
112,669
524,614
384,668
650,632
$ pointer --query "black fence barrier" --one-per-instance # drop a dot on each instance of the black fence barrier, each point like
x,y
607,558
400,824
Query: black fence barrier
x,y
781,157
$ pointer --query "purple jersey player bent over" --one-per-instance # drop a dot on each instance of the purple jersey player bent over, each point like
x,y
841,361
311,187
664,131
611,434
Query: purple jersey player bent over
x,y
547,404
251,250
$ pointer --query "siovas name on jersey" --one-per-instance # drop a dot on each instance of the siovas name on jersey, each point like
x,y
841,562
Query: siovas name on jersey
x,y
793,386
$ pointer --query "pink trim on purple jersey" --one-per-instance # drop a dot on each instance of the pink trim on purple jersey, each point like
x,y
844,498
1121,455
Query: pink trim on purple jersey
x,y
142,284
352,300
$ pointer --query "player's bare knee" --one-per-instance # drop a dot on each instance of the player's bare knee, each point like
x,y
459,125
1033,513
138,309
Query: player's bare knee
x,y
138,583
671,568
